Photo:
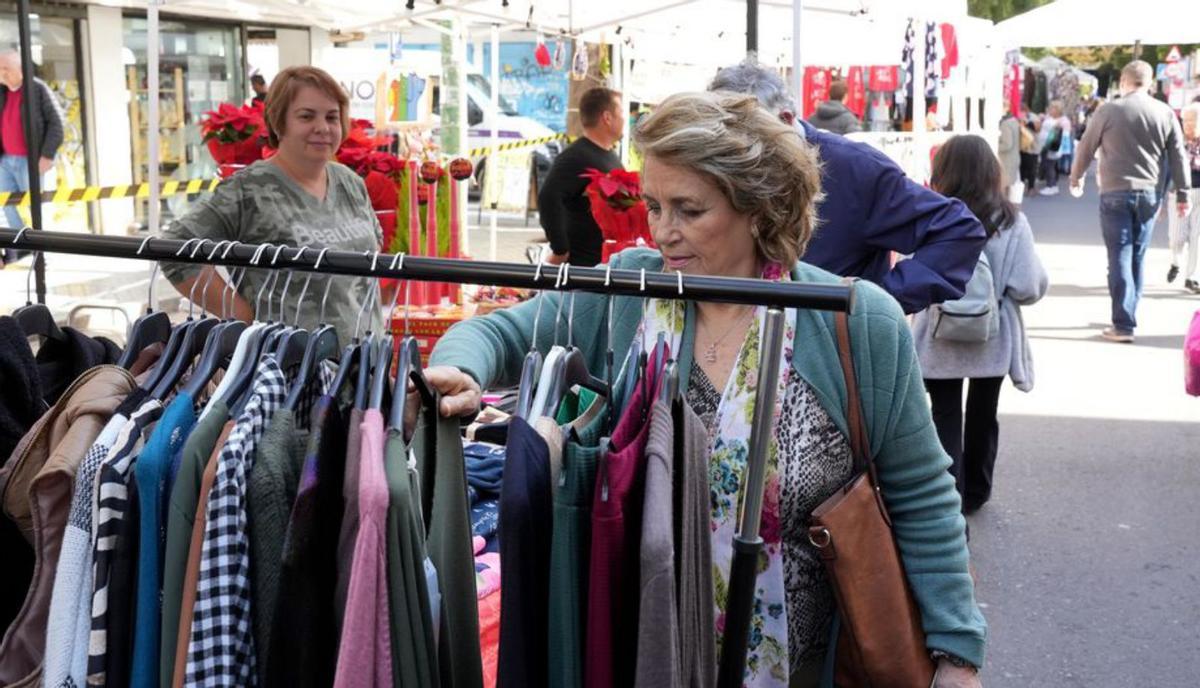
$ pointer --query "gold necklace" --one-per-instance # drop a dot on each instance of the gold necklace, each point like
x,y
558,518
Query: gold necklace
x,y
710,352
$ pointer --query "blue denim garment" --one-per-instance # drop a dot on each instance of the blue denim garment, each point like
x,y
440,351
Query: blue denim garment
x,y
1127,221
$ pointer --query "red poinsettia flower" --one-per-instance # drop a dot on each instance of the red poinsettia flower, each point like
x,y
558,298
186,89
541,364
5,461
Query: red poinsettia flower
x,y
621,189
232,123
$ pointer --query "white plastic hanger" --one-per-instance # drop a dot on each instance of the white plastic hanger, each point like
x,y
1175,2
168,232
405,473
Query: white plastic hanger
x,y
247,344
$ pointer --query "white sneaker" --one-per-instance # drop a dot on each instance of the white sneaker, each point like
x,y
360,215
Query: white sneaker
x,y
1049,191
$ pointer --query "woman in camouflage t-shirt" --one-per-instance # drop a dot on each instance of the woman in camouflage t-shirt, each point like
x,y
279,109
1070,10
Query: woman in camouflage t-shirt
x,y
299,197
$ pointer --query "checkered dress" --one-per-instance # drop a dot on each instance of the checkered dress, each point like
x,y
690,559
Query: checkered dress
x,y
221,646
112,501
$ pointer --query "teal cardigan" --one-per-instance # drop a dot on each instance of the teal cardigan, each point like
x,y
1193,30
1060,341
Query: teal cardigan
x,y
917,487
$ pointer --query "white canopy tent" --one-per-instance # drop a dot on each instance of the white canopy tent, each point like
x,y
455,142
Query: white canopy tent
x,y
1071,23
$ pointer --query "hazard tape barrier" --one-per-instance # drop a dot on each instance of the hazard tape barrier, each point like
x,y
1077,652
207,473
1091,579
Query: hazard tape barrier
x,y
100,193
524,143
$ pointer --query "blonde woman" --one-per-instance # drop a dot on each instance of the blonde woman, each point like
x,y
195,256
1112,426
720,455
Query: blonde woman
x,y
731,191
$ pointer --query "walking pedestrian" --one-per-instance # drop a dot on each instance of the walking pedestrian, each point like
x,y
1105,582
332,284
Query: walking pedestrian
x,y
872,209
46,129
833,115
1055,130
1029,153
1009,151
1011,276
1134,135
1184,231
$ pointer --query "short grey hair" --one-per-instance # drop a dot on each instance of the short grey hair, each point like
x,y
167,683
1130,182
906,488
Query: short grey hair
x,y
751,78
1137,74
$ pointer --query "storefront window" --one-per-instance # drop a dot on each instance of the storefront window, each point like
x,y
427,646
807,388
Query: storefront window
x,y
54,59
200,67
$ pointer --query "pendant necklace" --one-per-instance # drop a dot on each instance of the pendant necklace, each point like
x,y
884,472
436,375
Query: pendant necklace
x,y
710,352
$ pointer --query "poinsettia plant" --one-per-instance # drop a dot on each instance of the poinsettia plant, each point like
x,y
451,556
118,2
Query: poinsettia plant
x,y
621,189
617,206
233,124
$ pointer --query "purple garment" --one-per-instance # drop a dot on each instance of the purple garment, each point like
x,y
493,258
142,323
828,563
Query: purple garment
x,y
365,655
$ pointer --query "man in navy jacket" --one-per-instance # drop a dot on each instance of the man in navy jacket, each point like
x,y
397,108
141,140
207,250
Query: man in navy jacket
x,y
871,208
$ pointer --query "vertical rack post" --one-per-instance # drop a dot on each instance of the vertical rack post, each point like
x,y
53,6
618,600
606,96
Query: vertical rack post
x,y
747,544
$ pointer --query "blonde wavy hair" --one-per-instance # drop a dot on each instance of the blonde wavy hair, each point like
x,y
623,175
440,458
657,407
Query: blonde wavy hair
x,y
761,164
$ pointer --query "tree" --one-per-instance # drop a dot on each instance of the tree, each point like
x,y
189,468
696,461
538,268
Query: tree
x,y
999,10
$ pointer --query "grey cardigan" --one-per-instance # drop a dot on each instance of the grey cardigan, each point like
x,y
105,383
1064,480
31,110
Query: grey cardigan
x,y
1021,281
1009,150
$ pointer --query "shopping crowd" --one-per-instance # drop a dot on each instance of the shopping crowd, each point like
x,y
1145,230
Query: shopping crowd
x,y
295,522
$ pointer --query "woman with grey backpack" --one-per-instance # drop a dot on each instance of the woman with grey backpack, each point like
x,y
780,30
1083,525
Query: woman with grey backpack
x,y
981,336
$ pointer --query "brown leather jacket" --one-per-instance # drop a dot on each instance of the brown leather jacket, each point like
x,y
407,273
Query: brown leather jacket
x,y
36,487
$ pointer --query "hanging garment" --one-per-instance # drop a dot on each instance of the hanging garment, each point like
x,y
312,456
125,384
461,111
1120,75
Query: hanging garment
x,y
697,644
438,448
349,530
150,473
119,622
60,363
270,492
180,519
950,49
525,531
365,653
612,611
816,90
412,98
304,640
414,645
109,511
856,92
933,58
38,482
69,623
21,404
570,544
191,573
221,647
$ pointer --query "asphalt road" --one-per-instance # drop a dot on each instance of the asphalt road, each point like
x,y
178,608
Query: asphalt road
x,y
1088,555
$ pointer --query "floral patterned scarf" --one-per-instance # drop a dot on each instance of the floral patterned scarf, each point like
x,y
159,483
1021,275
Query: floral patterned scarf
x,y
767,656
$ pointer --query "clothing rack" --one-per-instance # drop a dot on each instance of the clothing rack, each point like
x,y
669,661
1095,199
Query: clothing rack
x,y
775,295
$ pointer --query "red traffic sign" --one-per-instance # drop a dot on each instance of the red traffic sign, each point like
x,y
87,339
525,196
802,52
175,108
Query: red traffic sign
x,y
1173,55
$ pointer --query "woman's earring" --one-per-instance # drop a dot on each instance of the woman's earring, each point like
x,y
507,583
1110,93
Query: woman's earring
x,y
754,231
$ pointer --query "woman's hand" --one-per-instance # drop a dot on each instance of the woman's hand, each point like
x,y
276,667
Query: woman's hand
x,y
461,395
950,676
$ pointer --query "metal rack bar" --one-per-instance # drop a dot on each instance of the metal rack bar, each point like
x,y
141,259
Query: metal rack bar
x,y
832,297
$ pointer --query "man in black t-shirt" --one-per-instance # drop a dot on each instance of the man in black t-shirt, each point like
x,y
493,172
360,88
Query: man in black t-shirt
x,y
563,207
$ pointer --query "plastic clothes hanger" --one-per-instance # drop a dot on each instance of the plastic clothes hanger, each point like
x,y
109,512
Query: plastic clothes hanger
x,y
240,389
289,350
35,319
221,344
247,346
366,360
151,328
194,341
409,368
532,367
573,371
322,344
352,359
551,377
178,332
670,385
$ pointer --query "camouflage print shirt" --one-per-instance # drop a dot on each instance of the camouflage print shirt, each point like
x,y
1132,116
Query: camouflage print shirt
x,y
262,204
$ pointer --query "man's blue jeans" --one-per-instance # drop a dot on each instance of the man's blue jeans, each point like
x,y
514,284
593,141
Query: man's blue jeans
x,y
14,176
1127,220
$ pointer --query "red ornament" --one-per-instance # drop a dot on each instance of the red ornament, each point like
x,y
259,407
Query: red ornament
x,y
423,194
461,168
430,171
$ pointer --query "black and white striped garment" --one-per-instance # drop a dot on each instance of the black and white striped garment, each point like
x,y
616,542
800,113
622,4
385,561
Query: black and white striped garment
x,y
112,500
221,645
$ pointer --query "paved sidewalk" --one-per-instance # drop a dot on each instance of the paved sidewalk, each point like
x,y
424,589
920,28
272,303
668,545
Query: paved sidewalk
x,y
1088,555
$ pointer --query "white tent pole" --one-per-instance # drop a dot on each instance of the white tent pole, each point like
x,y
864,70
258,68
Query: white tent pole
x,y
797,63
494,144
464,134
920,146
152,126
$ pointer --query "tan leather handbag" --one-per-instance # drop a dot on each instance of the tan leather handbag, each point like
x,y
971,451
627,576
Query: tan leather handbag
x,y
881,643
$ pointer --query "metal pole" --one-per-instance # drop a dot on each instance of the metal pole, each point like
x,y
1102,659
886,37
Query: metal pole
x,y
747,544
797,63
751,26
32,155
635,283
152,119
494,144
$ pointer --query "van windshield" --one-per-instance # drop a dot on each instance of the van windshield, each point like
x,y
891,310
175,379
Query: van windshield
x,y
507,107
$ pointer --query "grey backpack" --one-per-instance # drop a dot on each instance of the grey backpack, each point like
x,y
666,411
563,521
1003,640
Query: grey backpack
x,y
976,316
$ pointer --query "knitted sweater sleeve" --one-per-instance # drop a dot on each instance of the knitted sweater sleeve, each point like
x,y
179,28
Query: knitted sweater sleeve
x,y
917,487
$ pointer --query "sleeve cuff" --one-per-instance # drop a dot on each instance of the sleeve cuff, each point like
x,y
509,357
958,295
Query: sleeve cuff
x,y
964,645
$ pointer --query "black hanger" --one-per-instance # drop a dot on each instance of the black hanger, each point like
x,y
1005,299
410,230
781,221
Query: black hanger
x,y
348,363
366,364
194,339
151,328
383,369
531,369
410,369
36,319
221,344
322,346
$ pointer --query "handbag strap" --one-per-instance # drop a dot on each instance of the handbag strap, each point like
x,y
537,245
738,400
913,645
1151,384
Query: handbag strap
x,y
860,446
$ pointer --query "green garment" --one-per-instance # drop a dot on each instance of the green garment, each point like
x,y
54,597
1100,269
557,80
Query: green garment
x,y
912,466
414,649
440,464
262,204
571,541
181,515
270,491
